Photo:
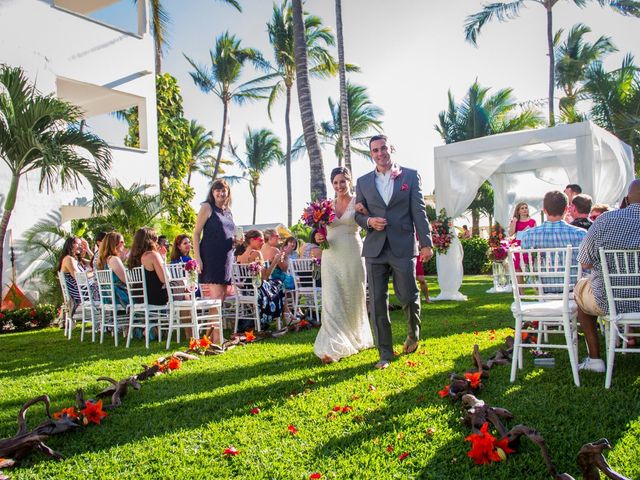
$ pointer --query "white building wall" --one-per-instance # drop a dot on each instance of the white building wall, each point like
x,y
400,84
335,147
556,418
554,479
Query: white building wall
x,y
50,43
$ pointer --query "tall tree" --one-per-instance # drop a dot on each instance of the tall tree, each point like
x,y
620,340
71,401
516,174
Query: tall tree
x,y
480,114
344,97
262,150
573,57
222,75
364,117
202,144
38,134
160,27
322,64
317,180
615,98
505,11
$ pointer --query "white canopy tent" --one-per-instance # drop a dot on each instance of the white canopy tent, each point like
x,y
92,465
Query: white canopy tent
x,y
523,166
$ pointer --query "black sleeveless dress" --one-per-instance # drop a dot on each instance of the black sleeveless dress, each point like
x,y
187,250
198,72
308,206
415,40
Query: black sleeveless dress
x,y
156,291
216,247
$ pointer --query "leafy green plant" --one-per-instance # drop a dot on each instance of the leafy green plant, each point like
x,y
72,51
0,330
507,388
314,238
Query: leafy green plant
x,y
475,255
23,319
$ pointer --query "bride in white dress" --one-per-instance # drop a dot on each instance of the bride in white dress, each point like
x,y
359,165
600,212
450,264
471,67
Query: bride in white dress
x,y
345,326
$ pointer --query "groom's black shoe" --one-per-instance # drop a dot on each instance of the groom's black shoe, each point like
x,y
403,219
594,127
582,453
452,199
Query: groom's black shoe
x,y
410,345
382,364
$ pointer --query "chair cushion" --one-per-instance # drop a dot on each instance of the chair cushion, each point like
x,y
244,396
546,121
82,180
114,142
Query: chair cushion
x,y
543,309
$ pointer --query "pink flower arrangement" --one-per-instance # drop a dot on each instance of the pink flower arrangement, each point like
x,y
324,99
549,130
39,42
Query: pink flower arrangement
x,y
190,265
318,215
499,251
440,235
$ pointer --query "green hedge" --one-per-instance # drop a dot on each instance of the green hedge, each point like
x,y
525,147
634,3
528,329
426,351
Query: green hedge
x,y
475,257
23,319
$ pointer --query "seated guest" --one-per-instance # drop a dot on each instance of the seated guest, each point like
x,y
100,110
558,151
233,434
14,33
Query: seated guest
x,y
94,261
144,252
181,249
163,246
270,248
110,258
312,249
617,229
571,191
597,210
579,209
68,264
271,292
291,245
281,269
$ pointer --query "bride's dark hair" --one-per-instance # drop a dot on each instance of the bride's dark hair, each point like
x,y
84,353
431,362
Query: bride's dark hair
x,y
344,171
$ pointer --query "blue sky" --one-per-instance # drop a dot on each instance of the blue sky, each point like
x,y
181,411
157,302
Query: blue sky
x,y
410,52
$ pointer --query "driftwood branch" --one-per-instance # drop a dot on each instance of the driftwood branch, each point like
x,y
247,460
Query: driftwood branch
x,y
117,390
478,412
591,461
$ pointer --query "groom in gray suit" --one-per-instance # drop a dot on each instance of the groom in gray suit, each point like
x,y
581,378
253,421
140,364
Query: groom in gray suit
x,y
393,212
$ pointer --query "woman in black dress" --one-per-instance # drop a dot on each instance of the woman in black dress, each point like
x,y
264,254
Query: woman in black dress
x,y
213,240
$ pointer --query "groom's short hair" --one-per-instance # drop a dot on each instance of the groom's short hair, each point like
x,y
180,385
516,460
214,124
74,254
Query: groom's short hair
x,y
377,137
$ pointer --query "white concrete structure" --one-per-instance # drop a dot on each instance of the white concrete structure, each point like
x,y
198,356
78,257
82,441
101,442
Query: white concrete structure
x,y
96,66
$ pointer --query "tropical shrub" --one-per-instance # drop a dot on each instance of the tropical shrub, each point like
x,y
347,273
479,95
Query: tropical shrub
x,y
31,318
475,257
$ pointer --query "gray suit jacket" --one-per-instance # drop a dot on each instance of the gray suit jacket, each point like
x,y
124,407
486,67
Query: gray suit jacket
x,y
405,214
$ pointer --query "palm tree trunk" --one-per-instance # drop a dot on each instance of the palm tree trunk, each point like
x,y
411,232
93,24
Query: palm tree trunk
x,y
225,119
255,202
475,222
158,49
9,204
344,106
317,179
552,61
287,158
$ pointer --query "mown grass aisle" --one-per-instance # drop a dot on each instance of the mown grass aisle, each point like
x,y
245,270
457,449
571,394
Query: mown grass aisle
x,y
178,424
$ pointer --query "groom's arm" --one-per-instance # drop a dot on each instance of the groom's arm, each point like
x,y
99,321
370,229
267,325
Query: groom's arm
x,y
419,214
360,218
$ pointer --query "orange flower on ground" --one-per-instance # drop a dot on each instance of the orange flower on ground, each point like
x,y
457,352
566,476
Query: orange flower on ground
x,y
69,412
492,335
389,448
303,323
161,366
193,344
502,449
347,408
204,342
292,429
337,408
444,392
402,456
230,451
481,445
474,378
249,336
93,413
315,475
411,363
174,363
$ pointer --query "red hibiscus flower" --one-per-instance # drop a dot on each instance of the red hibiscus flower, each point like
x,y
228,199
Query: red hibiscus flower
x,y
93,413
337,408
255,411
402,456
481,445
347,408
68,412
174,363
230,451
315,475
474,378
204,342
444,392
292,429
303,323
249,336
193,344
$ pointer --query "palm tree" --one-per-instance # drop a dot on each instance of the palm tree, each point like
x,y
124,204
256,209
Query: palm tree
x,y
478,115
322,64
262,150
160,27
317,180
504,11
344,96
37,135
202,144
221,77
615,98
573,56
363,118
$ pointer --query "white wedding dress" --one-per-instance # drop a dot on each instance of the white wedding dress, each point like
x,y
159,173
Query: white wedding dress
x,y
345,326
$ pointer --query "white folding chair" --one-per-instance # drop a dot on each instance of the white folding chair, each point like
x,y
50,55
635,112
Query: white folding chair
x,y
88,306
307,293
204,313
113,314
621,273
70,313
141,313
246,288
546,281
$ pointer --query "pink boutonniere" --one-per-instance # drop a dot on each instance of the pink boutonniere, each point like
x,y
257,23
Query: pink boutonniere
x,y
395,172
404,187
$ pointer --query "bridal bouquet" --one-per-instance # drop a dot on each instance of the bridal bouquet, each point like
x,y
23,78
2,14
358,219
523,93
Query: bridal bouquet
x,y
318,215
440,233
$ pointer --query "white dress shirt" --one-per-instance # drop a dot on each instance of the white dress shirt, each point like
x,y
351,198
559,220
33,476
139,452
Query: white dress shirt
x,y
384,185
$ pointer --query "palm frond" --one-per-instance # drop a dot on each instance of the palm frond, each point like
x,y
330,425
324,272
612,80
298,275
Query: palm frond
x,y
503,11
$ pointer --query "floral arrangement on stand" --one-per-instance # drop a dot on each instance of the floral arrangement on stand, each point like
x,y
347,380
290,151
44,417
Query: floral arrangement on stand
x,y
318,215
499,252
497,235
441,232
191,267
256,268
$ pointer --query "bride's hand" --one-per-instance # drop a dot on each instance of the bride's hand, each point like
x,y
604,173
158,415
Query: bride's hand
x,y
360,208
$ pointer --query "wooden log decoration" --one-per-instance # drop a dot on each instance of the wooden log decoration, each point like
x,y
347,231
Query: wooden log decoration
x,y
148,372
480,365
117,390
14,449
518,431
478,412
591,461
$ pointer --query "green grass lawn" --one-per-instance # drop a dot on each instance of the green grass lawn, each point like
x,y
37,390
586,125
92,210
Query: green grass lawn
x,y
178,425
